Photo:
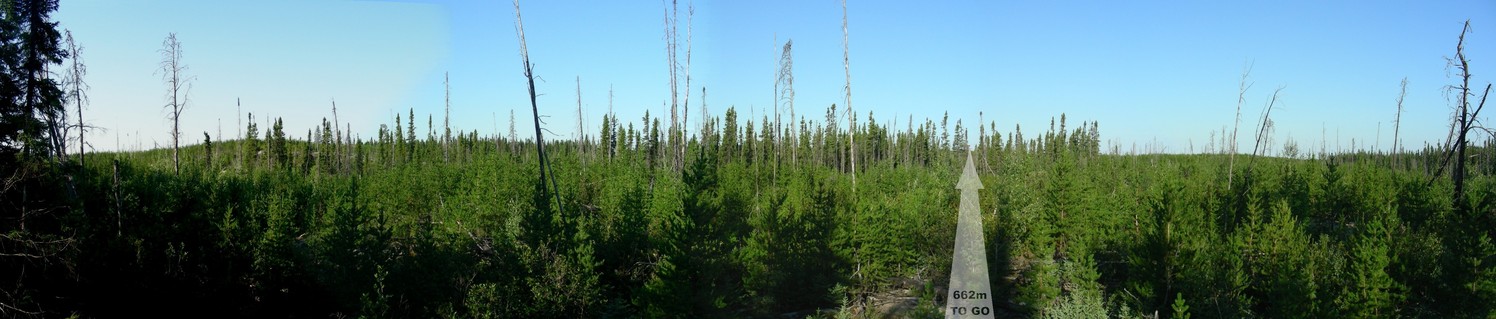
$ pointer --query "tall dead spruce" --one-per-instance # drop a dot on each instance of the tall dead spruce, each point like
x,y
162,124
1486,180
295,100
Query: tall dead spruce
x,y
678,117
177,85
76,87
524,55
851,116
785,84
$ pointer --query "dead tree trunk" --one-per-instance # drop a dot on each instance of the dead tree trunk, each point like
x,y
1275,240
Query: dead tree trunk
x,y
78,87
581,138
1241,97
851,115
686,105
535,109
337,145
447,119
787,94
1464,120
172,71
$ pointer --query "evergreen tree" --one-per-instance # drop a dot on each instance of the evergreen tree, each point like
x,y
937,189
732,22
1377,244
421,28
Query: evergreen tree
x,y
208,148
1372,293
945,133
31,103
398,146
749,141
410,136
960,143
278,152
730,135
325,148
252,139
606,136
308,161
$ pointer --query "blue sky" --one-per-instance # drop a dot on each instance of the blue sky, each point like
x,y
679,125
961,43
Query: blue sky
x,y
1163,74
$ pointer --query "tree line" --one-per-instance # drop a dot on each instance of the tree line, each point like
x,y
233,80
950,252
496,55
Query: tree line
x,y
744,218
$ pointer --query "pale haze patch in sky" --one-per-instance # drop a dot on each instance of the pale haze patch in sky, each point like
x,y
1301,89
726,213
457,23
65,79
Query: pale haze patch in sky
x,y
1159,73
280,58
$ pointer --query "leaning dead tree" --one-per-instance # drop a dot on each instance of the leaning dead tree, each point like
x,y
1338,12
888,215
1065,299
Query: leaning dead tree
x,y
1397,120
173,72
447,118
581,133
1265,126
338,153
524,55
1464,120
1241,97
1264,135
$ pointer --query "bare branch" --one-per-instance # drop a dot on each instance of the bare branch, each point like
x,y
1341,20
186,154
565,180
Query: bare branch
x,y
1241,97
1397,120
14,308
178,85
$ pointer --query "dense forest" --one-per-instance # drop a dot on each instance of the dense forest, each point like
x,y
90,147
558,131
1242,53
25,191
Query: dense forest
x,y
730,216
424,226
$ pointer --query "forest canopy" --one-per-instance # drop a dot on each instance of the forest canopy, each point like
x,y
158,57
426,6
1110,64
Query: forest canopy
x,y
782,216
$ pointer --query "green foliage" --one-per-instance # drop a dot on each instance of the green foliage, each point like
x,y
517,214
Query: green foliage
x,y
275,256
252,140
927,307
280,156
1079,305
352,246
1181,310
31,102
1372,292
402,227
208,147
790,264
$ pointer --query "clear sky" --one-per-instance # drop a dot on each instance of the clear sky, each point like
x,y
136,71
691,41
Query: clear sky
x,y
1153,73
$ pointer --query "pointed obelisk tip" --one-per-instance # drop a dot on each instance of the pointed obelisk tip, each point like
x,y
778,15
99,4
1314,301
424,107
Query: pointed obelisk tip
x,y
969,178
